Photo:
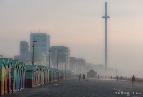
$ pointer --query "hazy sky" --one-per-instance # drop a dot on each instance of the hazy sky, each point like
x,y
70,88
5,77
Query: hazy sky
x,y
78,25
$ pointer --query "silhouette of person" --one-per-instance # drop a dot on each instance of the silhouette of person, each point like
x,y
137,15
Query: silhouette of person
x,y
79,76
117,78
133,80
98,76
83,76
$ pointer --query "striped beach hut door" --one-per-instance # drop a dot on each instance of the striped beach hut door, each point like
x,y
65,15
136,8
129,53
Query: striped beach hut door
x,y
2,79
12,78
17,78
9,75
6,79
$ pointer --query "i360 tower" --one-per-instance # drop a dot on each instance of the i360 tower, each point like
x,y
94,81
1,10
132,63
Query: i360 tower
x,y
106,17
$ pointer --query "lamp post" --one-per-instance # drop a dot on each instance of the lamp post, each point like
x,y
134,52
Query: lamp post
x,y
33,55
58,63
57,60
49,58
66,61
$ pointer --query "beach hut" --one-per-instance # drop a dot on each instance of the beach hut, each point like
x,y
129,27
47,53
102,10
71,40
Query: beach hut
x,y
29,75
21,75
15,75
4,76
1,77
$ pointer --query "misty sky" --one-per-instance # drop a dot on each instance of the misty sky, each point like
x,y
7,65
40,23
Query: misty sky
x,y
78,25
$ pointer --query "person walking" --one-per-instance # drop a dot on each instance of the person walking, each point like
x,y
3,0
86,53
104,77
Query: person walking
x,y
133,80
83,76
79,77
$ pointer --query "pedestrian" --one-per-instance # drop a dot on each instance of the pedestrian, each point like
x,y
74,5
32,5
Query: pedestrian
x,y
133,80
79,77
98,76
83,76
117,78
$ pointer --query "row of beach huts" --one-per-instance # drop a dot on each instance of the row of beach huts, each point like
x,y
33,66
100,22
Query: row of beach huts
x,y
16,75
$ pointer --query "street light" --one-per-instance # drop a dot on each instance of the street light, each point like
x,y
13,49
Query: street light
x,y
66,61
58,63
49,58
33,46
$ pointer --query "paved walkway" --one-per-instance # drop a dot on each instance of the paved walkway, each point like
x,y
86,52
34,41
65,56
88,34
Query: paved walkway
x,y
85,88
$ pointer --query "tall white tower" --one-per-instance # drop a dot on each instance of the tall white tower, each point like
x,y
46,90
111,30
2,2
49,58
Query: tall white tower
x,y
106,17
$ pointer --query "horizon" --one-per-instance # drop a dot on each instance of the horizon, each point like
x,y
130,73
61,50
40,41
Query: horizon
x,y
78,25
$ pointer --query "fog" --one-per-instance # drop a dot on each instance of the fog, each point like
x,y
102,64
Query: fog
x,y
78,25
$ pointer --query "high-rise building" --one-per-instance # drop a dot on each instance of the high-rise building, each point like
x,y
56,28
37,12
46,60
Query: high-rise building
x,y
77,65
60,57
24,51
41,48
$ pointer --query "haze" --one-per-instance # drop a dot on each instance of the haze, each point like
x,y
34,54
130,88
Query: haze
x,y
78,25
